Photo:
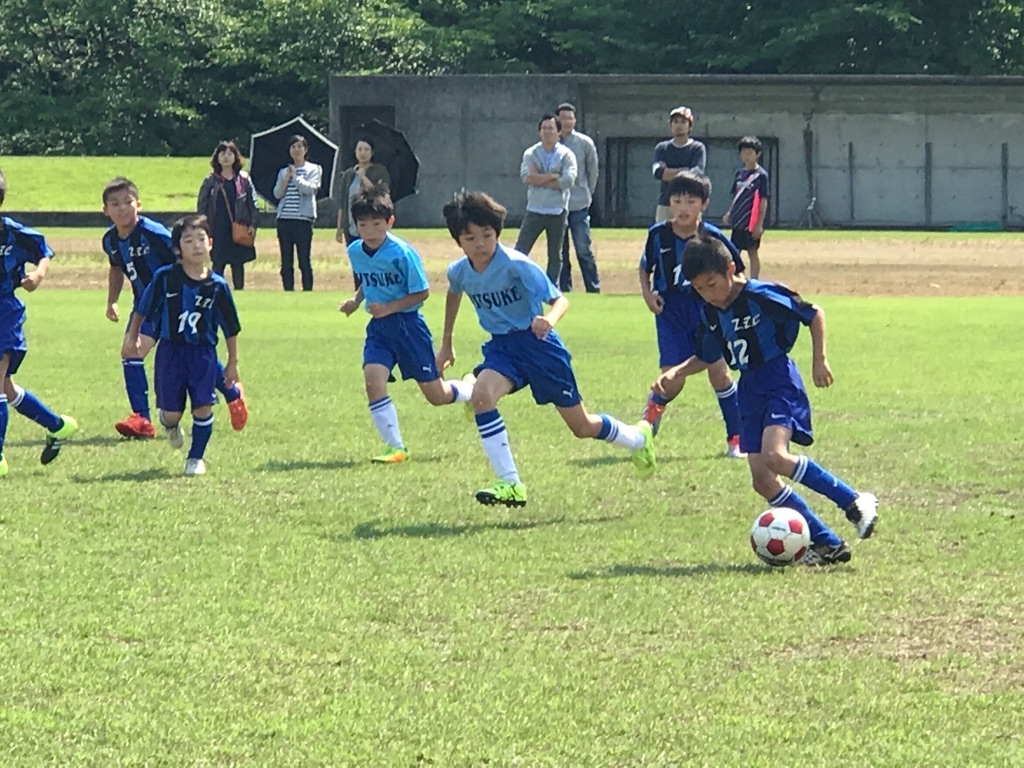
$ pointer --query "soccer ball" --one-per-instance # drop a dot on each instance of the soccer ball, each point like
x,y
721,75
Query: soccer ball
x,y
780,536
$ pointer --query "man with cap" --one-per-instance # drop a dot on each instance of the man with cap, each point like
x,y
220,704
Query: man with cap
x,y
678,154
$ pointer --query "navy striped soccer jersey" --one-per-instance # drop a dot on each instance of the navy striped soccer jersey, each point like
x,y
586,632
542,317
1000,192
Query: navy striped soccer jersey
x,y
188,311
760,325
141,254
19,245
663,255
749,192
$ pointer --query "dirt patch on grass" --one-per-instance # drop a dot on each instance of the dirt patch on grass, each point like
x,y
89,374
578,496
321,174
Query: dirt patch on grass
x,y
846,264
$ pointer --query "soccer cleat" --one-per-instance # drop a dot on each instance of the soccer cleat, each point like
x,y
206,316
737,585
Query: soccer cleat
x,y
4,469
643,458
239,410
194,467
392,456
55,440
652,415
503,492
732,448
136,425
826,554
176,437
469,378
863,513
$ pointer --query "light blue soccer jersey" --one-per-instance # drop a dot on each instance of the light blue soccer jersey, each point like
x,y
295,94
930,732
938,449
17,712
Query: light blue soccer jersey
x,y
508,294
392,272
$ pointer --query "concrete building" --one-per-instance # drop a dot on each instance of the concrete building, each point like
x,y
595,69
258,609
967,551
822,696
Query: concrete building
x,y
878,151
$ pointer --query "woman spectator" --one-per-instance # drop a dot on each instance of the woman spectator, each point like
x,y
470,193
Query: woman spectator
x,y
365,174
296,188
227,196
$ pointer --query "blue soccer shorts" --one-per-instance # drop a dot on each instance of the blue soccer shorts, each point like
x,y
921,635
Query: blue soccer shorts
x,y
769,395
401,339
544,365
12,334
677,327
185,370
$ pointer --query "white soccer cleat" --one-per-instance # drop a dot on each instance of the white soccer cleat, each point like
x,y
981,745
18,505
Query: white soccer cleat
x,y
863,513
176,437
194,467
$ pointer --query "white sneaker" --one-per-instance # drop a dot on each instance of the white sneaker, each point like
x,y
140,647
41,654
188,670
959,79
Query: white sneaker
x,y
194,467
470,379
175,436
863,513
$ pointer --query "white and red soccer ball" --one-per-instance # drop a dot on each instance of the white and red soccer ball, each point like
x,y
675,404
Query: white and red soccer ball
x,y
780,536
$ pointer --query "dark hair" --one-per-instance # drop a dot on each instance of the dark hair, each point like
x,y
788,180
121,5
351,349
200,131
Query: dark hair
x,y
365,141
478,208
691,184
120,184
192,221
749,142
226,144
558,123
372,204
705,254
298,138
565,106
3,187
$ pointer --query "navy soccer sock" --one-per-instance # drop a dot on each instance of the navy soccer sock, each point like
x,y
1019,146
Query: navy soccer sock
x,y
729,402
31,407
230,393
137,386
3,422
820,533
202,429
820,480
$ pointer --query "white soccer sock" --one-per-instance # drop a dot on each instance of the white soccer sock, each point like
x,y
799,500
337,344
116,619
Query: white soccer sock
x,y
622,434
495,439
463,390
385,419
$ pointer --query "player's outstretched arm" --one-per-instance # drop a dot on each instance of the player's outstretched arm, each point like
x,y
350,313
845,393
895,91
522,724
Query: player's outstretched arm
x,y
351,305
670,383
820,370
115,282
32,280
231,369
445,357
542,324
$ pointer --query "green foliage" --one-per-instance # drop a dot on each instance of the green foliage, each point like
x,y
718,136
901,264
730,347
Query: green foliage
x,y
174,76
298,606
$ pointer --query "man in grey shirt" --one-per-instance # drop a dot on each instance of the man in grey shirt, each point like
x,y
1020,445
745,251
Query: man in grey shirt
x,y
580,197
549,171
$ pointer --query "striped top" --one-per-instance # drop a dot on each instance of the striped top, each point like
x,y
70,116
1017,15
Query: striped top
x,y
298,197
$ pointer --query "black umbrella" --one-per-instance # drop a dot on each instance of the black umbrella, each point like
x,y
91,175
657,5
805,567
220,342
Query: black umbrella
x,y
268,153
391,150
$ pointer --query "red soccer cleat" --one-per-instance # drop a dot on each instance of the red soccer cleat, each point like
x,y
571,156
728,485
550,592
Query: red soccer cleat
x,y
136,425
239,410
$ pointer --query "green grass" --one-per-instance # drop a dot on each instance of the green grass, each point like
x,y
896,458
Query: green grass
x,y
300,607
76,183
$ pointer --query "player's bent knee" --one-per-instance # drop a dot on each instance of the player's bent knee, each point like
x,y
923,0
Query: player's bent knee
x,y
202,412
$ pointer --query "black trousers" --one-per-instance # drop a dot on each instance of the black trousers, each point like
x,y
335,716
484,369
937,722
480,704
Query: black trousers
x,y
237,272
295,236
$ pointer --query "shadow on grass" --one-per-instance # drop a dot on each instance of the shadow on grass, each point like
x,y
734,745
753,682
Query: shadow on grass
x,y
370,530
299,464
94,440
624,570
127,477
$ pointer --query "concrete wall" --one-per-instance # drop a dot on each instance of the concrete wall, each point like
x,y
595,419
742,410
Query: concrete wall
x,y
884,151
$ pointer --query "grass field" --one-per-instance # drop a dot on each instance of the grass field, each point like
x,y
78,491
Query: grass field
x,y
300,607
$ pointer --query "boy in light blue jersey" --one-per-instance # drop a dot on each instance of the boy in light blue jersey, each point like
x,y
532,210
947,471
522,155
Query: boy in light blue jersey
x,y
19,247
753,326
392,281
508,291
